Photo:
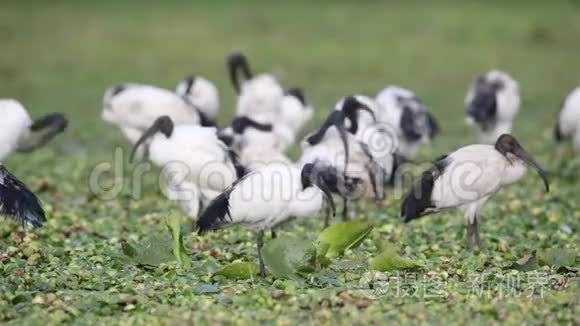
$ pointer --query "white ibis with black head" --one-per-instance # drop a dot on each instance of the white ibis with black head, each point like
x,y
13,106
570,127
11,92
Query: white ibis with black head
x,y
257,94
467,178
19,133
295,111
338,147
258,144
410,118
266,198
135,107
18,203
204,96
568,124
492,103
199,165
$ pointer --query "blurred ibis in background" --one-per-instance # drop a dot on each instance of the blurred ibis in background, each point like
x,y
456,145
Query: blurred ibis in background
x,y
492,103
203,95
19,133
568,124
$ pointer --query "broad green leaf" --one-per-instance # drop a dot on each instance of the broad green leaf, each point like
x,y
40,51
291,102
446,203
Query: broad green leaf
x,y
557,257
342,236
151,251
239,271
173,224
286,257
389,260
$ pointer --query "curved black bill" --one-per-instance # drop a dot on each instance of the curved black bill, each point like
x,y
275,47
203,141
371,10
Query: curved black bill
x,y
521,153
163,124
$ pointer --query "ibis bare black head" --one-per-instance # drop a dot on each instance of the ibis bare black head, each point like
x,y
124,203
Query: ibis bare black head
x,y
163,124
240,124
312,176
237,62
507,145
298,93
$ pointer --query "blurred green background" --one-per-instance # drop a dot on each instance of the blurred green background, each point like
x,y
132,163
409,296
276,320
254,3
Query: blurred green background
x,y
62,55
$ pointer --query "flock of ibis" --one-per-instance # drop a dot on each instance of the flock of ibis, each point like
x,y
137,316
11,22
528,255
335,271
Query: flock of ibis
x,y
241,173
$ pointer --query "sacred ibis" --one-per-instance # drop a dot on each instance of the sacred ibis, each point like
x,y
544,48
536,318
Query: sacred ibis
x,y
568,124
257,94
17,202
492,103
199,166
467,178
203,95
268,197
19,133
409,117
338,147
295,111
258,144
135,107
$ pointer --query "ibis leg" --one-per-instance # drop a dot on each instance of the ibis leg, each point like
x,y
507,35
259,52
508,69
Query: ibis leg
x,y
260,245
470,231
327,217
476,232
345,209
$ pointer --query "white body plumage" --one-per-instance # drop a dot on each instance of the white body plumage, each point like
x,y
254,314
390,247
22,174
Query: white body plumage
x,y
568,124
134,108
14,126
203,94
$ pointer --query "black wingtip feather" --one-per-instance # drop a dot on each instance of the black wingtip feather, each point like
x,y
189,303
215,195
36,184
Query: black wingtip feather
x,y
214,214
17,202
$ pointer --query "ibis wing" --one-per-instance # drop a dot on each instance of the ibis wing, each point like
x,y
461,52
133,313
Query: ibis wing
x,y
18,202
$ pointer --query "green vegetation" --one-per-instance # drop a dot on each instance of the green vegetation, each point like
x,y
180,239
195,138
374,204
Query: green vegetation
x,y
62,55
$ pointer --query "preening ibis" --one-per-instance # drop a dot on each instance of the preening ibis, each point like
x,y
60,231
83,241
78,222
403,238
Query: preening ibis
x,y
257,94
135,107
467,178
568,124
492,103
19,133
295,111
198,164
17,202
410,118
204,96
268,197
338,147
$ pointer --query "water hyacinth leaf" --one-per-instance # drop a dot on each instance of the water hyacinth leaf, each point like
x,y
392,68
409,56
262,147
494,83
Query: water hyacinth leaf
x,y
239,271
286,257
340,237
389,260
173,224
151,251
557,257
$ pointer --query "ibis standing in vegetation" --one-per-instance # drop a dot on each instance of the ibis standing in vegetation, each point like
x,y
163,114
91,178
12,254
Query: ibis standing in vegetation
x,y
17,202
568,124
410,118
203,95
199,164
492,103
19,133
268,197
467,178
